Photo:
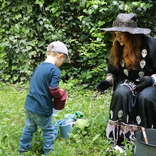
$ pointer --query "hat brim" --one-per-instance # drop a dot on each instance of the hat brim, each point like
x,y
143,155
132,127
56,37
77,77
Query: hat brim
x,y
136,30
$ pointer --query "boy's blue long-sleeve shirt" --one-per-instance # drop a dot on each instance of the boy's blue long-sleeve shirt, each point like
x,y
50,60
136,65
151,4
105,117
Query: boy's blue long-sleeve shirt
x,y
39,98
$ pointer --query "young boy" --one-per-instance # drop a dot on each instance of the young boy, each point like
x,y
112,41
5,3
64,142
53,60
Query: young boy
x,y
43,96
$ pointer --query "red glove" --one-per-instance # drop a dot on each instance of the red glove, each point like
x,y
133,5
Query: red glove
x,y
59,103
60,97
57,92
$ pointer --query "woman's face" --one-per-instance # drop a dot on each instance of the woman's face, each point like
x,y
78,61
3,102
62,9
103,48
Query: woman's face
x,y
119,36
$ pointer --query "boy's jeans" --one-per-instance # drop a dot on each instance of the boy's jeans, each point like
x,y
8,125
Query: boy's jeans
x,y
33,121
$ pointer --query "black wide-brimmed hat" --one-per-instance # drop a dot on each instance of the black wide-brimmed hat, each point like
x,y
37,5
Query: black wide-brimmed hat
x,y
127,23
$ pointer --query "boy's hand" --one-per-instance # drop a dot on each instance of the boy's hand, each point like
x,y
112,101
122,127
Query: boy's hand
x,y
57,93
59,103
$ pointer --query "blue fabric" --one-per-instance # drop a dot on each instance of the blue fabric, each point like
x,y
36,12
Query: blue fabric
x,y
39,98
33,121
153,80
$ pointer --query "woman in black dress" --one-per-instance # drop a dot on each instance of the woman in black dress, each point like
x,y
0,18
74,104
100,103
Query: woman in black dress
x,y
132,74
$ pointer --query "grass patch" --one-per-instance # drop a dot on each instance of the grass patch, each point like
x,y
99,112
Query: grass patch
x,y
90,141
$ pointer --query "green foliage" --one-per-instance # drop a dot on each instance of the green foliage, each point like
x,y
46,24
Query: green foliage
x,y
28,26
87,141
12,115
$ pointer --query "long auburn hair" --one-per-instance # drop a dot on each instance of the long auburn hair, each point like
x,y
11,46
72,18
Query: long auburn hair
x,y
130,52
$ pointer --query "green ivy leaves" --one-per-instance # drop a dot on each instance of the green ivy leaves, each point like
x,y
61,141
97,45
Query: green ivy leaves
x,y
27,27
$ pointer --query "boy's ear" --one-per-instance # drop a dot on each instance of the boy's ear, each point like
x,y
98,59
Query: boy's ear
x,y
61,55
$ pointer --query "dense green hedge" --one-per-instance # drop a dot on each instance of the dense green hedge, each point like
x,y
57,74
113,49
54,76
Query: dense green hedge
x,y
28,26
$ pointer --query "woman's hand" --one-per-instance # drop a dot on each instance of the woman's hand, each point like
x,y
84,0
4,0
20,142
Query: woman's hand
x,y
103,85
144,82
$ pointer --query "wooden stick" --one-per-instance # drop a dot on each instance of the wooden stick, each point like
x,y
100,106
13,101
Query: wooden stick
x,y
144,134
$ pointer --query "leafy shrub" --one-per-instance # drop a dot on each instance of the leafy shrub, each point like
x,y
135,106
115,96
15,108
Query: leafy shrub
x,y
28,26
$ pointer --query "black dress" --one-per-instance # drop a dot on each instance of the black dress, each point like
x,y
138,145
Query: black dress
x,y
130,110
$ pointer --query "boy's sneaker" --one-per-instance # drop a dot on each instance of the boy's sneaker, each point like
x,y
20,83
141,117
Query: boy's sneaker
x,y
48,152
